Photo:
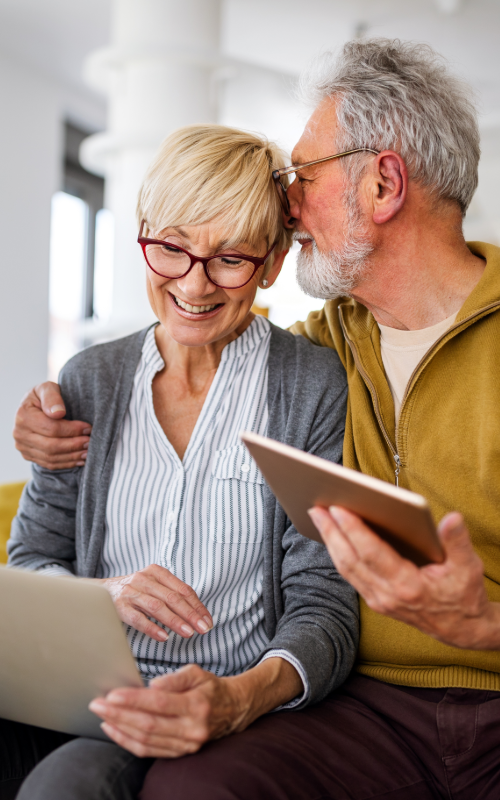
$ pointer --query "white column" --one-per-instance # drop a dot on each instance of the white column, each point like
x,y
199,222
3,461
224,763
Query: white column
x,y
29,165
158,75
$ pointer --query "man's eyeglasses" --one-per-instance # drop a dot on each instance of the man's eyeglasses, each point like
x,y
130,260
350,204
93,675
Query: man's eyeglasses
x,y
227,271
278,173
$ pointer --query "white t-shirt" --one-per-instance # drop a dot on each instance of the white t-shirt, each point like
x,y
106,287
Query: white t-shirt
x,y
403,350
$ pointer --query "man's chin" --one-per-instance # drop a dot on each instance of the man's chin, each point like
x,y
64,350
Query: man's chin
x,y
325,276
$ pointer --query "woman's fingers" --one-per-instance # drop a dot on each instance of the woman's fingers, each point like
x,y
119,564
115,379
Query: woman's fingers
x,y
155,592
176,602
169,748
185,593
137,619
155,719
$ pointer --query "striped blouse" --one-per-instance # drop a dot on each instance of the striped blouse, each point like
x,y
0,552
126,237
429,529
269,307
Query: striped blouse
x,y
203,517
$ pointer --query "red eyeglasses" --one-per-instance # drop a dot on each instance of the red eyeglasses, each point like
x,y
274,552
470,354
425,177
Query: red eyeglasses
x,y
227,271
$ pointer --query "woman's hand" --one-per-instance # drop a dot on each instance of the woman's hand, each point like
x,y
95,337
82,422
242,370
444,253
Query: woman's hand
x,y
179,713
155,592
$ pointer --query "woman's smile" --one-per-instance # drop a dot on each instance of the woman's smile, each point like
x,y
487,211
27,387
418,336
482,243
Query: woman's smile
x,y
194,310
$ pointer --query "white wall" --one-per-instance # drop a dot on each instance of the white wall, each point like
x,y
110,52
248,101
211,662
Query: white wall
x,y
29,163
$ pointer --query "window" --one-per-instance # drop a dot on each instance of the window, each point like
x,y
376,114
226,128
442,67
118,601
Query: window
x,y
81,245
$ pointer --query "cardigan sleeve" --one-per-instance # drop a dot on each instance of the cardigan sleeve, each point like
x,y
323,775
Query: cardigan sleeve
x,y
54,525
43,532
318,623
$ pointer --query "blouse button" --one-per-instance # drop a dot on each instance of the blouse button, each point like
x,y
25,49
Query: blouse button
x,y
245,468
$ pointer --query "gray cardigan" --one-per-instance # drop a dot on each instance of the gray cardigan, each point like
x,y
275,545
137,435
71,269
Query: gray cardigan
x,y
309,609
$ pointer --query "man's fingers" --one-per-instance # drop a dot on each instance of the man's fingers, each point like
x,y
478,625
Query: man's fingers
x,y
54,448
369,564
66,462
31,420
341,551
50,399
455,539
376,554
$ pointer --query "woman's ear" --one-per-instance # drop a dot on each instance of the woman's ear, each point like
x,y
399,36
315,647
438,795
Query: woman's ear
x,y
274,271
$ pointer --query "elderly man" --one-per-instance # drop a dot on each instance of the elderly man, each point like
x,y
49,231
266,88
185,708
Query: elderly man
x,y
413,313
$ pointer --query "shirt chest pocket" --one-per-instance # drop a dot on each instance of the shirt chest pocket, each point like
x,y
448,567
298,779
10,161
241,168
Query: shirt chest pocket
x,y
237,498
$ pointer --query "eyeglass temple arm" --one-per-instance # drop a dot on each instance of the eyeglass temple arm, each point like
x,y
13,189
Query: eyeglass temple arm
x,y
278,173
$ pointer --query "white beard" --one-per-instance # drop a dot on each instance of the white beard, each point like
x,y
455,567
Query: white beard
x,y
337,273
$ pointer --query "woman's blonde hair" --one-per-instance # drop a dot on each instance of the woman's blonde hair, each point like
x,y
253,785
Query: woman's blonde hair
x,y
207,172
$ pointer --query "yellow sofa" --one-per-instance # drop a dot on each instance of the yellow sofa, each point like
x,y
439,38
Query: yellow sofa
x,y
10,494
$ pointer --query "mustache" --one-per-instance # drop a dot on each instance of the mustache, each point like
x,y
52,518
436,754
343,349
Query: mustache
x,y
301,235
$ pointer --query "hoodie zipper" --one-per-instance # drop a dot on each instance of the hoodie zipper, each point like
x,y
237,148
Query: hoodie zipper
x,y
373,393
371,385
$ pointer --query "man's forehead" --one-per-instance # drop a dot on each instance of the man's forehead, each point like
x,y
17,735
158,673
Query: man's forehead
x,y
318,135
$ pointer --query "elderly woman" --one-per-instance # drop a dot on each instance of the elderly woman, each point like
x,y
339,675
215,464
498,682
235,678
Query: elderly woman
x,y
229,612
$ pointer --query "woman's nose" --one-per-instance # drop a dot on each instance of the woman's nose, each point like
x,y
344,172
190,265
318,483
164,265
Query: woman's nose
x,y
196,284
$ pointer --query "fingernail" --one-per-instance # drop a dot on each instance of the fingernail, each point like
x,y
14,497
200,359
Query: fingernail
x,y
80,463
187,630
85,446
209,622
87,431
97,705
115,697
83,456
57,408
163,635
314,516
336,513
202,626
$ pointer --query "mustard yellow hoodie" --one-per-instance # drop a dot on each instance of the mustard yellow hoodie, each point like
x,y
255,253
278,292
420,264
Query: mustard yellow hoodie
x,y
448,445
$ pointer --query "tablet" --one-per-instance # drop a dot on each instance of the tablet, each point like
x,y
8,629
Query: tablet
x,y
63,644
300,480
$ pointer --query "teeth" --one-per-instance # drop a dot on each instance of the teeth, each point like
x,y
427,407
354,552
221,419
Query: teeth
x,y
193,309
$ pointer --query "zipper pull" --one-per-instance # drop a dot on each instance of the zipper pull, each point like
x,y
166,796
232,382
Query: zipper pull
x,y
398,467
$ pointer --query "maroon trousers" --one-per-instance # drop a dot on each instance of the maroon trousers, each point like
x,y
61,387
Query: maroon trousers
x,y
367,740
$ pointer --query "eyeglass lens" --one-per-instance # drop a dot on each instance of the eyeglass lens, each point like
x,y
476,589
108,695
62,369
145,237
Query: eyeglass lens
x,y
229,272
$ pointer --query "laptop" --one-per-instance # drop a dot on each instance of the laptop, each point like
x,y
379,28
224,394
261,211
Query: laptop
x,y
62,645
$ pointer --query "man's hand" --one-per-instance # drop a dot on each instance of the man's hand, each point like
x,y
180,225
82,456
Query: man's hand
x,y
156,592
178,713
447,601
42,435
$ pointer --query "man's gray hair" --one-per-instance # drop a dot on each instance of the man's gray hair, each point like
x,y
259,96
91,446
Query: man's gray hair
x,y
400,96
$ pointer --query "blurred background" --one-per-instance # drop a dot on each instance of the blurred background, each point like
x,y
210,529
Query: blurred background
x,y
89,88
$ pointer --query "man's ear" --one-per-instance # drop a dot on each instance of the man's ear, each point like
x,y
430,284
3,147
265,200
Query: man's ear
x,y
275,269
390,186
